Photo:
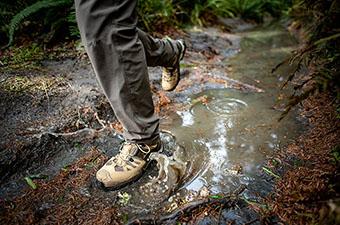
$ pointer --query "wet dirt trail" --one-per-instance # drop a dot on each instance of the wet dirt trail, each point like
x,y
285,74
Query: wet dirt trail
x,y
219,128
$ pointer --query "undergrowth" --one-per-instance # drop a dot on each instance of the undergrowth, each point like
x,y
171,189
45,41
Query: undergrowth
x,y
46,18
25,57
31,85
57,17
320,54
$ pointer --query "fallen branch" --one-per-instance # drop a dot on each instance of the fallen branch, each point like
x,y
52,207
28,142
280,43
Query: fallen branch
x,y
89,132
189,207
100,121
242,85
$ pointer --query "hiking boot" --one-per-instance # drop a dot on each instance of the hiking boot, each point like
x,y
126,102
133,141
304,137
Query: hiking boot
x,y
128,165
171,75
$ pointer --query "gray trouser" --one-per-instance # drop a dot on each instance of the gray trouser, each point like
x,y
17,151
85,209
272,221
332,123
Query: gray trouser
x,y
120,53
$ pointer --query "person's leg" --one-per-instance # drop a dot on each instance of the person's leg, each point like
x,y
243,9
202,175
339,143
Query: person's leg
x,y
166,53
159,52
108,29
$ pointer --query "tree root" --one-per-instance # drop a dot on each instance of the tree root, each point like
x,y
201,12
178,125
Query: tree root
x,y
189,207
85,133
243,86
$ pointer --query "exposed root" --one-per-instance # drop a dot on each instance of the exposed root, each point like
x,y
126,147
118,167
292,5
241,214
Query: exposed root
x,y
188,208
242,86
100,121
85,132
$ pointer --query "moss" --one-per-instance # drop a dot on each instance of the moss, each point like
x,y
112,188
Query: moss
x,y
24,57
20,84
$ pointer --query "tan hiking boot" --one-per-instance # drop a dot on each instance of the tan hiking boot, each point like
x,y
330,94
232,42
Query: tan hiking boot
x,y
171,75
128,165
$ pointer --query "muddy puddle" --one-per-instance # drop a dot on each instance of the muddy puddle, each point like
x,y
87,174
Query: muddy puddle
x,y
228,133
234,131
219,127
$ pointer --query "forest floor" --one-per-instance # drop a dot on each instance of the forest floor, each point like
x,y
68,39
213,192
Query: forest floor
x,y
308,192
57,129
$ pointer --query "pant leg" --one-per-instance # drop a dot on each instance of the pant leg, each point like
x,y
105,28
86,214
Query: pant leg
x,y
159,52
108,30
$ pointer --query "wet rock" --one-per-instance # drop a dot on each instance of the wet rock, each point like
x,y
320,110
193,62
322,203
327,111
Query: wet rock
x,y
236,24
209,42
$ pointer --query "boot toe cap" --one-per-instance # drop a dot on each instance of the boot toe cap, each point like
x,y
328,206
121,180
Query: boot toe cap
x,y
103,176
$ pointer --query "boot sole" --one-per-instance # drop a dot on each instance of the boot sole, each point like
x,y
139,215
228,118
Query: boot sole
x,y
179,69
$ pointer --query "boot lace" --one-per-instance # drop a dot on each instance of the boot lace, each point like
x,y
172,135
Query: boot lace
x,y
128,150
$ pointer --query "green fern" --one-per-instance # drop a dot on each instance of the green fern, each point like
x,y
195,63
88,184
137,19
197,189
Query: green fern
x,y
73,27
246,9
153,12
28,11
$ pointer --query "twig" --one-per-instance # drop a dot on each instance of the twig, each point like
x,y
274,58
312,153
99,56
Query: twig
x,y
100,121
245,86
3,80
268,171
231,199
251,222
86,131
220,214
45,90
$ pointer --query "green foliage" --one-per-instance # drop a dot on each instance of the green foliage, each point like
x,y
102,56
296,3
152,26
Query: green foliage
x,y
30,182
28,11
152,13
7,11
49,8
155,11
60,14
336,154
73,27
24,55
249,9
196,13
31,52
321,52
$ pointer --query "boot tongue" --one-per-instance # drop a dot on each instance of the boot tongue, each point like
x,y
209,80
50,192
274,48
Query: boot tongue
x,y
127,151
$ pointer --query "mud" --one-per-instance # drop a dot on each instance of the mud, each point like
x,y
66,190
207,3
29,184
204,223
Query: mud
x,y
61,126
33,117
